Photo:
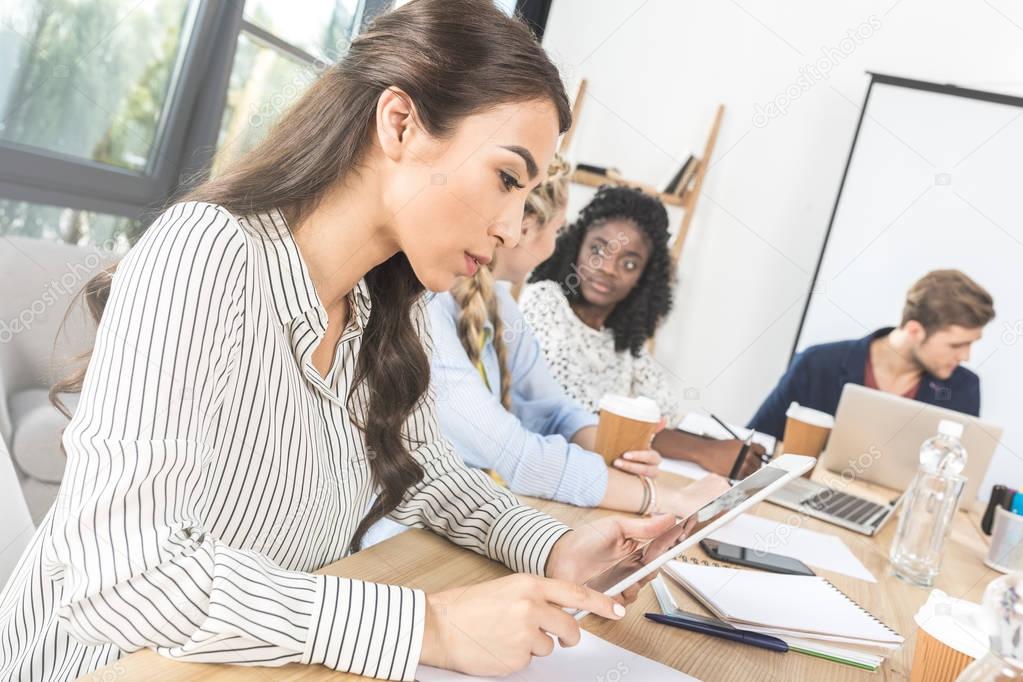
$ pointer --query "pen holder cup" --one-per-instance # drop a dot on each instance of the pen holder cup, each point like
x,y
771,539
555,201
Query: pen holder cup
x,y
1006,551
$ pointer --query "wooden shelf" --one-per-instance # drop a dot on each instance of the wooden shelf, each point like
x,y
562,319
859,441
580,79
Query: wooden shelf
x,y
688,197
596,180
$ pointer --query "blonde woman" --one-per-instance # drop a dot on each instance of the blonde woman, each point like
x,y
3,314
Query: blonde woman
x,y
501,408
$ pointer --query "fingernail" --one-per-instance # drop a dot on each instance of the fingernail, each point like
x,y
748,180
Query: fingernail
x,y
617,463
619,610
627,455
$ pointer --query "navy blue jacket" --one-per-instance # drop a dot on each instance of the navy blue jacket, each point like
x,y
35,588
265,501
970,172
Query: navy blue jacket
x,y
816,377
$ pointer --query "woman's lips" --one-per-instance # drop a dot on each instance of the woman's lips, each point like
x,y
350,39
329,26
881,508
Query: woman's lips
x,y
599,287
471,264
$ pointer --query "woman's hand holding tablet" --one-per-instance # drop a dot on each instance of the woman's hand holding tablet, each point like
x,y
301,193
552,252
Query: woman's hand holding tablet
x,y
589,550
622,554
644,561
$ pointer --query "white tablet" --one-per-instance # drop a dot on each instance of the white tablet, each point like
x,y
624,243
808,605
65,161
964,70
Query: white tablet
x,y
699,525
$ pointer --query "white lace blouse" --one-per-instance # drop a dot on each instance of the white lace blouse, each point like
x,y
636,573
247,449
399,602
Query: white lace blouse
x,y
584,360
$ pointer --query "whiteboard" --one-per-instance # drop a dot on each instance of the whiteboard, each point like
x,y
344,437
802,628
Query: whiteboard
x,y
934,180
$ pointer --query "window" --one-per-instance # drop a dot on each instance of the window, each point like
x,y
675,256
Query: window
x,y
89,79
322,29
108,106
282,49
23,219
264,83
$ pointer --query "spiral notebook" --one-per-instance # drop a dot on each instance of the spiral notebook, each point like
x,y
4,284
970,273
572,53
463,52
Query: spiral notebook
x,y
808,612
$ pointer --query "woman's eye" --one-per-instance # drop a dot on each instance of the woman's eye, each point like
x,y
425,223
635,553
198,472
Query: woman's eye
x,y
509,182
629,265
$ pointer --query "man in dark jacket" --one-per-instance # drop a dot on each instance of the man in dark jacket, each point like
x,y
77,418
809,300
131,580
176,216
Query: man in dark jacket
x,y
944,314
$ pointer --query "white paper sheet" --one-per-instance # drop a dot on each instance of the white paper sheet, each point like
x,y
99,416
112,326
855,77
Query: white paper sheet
x,y
704,425
818,550
683,468
592,659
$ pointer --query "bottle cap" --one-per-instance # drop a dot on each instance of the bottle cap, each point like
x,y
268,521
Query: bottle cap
x,y
947,427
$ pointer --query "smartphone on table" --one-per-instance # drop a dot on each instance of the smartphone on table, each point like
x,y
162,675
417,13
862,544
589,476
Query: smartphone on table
x,y
751,558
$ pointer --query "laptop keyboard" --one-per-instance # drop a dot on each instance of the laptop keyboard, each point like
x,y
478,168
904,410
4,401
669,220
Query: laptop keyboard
x,y
844,506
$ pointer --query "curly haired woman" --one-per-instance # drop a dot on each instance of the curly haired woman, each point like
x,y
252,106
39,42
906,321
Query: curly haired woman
x,y
499,405
596,302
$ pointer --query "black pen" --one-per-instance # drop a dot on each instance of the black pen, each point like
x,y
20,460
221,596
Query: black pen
x,y
725,426
694,623
733,475
763,458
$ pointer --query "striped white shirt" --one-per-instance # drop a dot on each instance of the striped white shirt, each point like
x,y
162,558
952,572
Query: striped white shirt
x,y
210,467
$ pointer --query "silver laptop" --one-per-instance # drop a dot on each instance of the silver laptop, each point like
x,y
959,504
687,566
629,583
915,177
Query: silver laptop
x,y
877,439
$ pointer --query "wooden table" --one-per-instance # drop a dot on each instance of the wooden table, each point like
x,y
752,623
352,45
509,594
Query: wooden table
x,y
420,559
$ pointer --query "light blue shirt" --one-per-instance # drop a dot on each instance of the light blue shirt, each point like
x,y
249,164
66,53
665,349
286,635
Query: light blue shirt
x,y
530,446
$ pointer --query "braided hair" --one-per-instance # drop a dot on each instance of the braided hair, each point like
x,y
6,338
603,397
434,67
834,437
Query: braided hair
x,y
634,320
477,303
475,295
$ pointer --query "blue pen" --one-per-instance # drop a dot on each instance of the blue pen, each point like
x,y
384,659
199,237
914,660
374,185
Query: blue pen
x,y
708,626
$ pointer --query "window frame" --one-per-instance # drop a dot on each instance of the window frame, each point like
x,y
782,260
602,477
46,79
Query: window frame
x,y
187,134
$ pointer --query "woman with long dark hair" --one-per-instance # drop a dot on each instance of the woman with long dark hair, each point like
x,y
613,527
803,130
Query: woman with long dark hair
x,y
257,395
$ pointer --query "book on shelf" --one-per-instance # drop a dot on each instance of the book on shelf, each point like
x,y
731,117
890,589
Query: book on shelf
x,y
598,170
680,181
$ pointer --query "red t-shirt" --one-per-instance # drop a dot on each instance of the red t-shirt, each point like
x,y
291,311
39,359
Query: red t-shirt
x,y
870,382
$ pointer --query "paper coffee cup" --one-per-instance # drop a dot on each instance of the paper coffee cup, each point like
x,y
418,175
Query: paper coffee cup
x,y
806,431
951,633
935,662
625,424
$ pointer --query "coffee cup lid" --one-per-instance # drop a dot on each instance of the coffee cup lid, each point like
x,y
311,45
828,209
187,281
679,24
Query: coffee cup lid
x,y
810,416
639,408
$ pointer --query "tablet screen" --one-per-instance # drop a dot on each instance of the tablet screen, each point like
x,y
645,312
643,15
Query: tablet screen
x,y
702,517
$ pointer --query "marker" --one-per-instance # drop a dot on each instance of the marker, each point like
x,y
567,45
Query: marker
x,y
1001,496
1017,504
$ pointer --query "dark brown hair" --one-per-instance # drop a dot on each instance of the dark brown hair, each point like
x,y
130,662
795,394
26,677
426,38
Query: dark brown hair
x,y
943,298
453,58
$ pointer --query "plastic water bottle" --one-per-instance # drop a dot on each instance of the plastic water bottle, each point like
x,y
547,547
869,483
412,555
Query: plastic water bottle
x,y
1003,607
929,506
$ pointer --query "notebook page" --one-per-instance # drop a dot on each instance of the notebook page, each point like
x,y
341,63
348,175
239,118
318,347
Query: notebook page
x,y
790,602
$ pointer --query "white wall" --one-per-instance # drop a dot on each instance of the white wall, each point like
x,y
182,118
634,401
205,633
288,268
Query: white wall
x,y
657,69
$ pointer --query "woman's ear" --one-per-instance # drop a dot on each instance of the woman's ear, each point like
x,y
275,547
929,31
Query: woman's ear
x,y
395,119
530,224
